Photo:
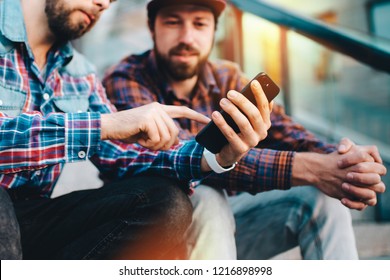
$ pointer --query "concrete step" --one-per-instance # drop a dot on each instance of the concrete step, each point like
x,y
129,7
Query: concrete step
x,y
372,241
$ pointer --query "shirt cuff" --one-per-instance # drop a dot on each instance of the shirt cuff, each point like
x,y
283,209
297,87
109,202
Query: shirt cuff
x,y
188,161
82,135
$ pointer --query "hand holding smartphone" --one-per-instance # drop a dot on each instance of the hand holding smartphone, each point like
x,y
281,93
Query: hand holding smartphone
x,y
212,138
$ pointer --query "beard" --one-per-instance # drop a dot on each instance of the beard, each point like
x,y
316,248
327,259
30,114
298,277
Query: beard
x,y
59,19
180,71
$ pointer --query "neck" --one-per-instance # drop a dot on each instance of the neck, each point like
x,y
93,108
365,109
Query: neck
x,y
183,89
40,38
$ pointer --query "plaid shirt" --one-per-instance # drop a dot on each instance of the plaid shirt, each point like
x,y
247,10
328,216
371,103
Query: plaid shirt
x,y
52,116
136,81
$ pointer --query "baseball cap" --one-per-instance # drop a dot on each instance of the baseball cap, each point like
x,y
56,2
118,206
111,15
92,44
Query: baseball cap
x,y
216,6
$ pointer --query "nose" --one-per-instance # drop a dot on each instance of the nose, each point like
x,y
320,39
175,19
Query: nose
x,y
187,35
103,4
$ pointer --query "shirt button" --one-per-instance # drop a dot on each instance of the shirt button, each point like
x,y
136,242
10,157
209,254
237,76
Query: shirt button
x,y
1,102
46,96
38,172
81,154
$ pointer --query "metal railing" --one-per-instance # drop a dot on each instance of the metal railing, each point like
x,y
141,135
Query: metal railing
x,y
358,46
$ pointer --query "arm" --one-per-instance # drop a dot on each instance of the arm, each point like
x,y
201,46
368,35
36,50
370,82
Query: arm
x,y
136,125
259,170
126,93
355,185
149,124
32,141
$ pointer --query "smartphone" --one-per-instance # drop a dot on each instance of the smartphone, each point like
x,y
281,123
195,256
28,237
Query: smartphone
x,y
212,138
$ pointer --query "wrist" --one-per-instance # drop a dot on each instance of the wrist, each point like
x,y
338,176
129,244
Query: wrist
x,y
104,126
213,164
304,169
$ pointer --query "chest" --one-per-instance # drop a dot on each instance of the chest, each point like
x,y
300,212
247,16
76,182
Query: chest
x,y
23,88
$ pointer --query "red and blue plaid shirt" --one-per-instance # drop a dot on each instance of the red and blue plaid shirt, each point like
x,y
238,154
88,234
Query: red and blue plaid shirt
x,y
136,81
51,116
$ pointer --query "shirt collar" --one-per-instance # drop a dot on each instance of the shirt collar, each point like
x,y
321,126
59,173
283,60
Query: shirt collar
x,y
206,79
66,52
13,28
12,21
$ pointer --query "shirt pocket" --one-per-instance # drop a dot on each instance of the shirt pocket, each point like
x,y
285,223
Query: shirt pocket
x,y
72,103
11,101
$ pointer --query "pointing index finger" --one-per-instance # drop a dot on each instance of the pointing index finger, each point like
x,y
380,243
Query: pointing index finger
x,y
184,112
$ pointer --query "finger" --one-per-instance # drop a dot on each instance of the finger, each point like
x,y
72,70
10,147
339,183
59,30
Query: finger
x,y
184,112
243,103
374,152
345,145
249,119
368,202
163,132
371,202
356,205
354,157
261,101
172,130
150,135
378,188
231,136
167,129
249,132
363,179
358,193
271,106
369,167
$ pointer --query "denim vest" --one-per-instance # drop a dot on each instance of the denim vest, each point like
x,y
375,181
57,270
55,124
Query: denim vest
x,y
75,75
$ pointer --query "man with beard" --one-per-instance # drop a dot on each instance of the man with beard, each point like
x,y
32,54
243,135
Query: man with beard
x,y
177,72
53,110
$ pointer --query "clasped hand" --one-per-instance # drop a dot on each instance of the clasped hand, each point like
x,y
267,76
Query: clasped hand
x,y
353,175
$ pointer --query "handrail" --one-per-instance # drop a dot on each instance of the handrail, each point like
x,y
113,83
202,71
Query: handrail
x,y
362,49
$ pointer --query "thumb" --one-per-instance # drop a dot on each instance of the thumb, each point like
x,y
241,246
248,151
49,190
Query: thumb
x,y
345,145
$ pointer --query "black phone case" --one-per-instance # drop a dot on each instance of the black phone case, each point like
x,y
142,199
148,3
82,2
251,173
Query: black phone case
x,y
212,138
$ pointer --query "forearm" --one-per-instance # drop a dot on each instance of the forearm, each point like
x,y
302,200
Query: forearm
x,y
117,160
260,170
31,141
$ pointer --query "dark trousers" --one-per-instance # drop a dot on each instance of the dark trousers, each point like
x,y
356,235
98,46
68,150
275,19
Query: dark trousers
x,y
139,218
10,248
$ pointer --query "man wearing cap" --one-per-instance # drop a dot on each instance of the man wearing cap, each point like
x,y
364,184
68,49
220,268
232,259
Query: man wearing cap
x,y
177,72
53,110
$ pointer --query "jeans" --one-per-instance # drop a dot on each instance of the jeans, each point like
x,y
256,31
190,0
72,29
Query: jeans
x,y
211,234
272,222
139,218
10,247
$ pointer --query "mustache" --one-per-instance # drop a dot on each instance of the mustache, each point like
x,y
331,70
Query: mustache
x,y
184,49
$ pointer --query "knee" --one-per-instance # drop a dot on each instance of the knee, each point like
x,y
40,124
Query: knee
x,y
177,207
206,197
212,208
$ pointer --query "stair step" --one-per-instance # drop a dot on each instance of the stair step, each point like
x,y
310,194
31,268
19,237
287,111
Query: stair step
x,y
372,241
